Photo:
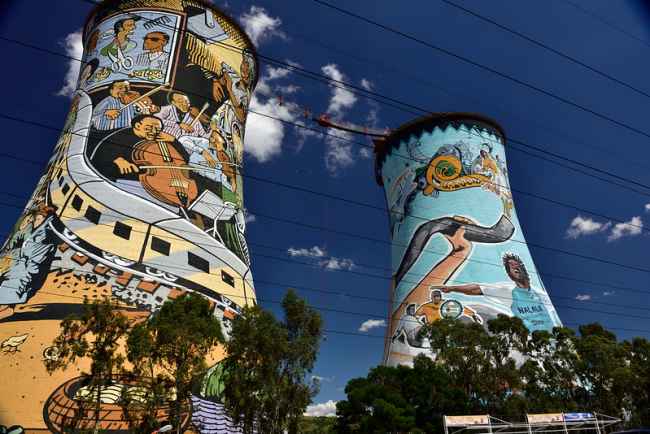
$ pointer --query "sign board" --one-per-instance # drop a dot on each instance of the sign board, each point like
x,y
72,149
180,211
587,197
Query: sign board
x,y
577,417
480,419
545,418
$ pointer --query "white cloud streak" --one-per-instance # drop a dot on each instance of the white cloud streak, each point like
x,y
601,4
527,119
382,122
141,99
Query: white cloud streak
x,y
370,324
260,26
327,409
341,99
582,226
631,228
312,252
74,48
583,297
334,264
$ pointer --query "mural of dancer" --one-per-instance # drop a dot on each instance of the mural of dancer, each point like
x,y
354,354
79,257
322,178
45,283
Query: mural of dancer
x,y
141,201
458,250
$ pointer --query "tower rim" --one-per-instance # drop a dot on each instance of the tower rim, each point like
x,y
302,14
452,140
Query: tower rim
x,y
104,4
384,145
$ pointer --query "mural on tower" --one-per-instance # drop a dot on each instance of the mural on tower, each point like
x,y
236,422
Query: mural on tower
x,y
142,200
457,248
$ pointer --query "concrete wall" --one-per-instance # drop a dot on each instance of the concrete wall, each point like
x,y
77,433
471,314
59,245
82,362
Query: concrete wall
x,y
458,249
141,200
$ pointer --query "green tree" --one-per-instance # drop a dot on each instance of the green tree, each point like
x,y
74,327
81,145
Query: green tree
x,y
266,385
174,342
96,333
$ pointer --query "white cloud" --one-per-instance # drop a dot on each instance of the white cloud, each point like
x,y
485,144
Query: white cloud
x,y
312,252
273,73
261,26
367,84
627,229
647,207
608,293
585,226
288,89
73,48
583,297
341,99
264,134
338,154
327,409
334,264
370,324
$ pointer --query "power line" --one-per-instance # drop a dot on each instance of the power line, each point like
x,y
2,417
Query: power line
x,y
546,47
372,95
353,235
606,22
168,266
481,66
517,240
345,139
421,80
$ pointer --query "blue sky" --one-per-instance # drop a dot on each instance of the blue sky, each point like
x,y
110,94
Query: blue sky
x,y
319,39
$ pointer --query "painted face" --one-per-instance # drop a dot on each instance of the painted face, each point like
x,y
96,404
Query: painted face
x,y
154,41
38,220
119,88
515,270
148,128
436,297
217,141
181,102
128,27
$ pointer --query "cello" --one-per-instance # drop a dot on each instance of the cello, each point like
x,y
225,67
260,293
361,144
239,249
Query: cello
x,y
164,172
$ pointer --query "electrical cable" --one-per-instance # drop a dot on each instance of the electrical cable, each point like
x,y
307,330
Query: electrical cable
x,y
345,139
480,66
545,46
314,227
168,266
607,23
365,93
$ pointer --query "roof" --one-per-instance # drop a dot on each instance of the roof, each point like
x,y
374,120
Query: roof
x,y
385,145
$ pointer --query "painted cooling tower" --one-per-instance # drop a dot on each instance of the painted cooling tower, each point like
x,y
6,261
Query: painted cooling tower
x,y
141,200
457,247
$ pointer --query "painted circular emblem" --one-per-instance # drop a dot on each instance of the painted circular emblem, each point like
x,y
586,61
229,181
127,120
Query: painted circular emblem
x,y
451,309
446,167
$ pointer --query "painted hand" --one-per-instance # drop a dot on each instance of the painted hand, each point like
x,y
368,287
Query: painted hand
x,y
125,166
186,127
112,113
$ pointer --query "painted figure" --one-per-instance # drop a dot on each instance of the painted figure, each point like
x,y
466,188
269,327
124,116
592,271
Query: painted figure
x,y
179,118
28,253
153,56
121,44
113,112
531,305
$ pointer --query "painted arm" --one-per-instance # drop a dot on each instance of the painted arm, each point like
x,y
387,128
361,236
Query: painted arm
x,y
438,276
469,289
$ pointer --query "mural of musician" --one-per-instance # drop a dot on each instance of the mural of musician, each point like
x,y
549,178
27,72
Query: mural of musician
x,y
458,250
141,199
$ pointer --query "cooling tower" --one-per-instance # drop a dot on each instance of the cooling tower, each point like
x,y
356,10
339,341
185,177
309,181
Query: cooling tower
x,y
141,200
458,250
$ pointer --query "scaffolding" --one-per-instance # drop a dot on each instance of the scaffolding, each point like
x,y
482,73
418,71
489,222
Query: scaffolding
x,y
535,424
